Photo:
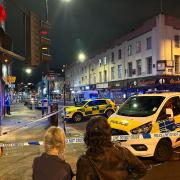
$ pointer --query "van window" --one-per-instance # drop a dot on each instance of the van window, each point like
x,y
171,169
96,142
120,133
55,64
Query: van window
x,y
140,106
174,104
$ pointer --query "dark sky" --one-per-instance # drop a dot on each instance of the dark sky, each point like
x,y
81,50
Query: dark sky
x,y
85,24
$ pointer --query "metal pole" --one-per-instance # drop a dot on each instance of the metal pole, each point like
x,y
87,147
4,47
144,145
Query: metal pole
x,y
47,10
42,87
64,92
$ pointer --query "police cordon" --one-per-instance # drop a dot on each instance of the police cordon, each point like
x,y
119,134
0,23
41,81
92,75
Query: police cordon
x,y
114,138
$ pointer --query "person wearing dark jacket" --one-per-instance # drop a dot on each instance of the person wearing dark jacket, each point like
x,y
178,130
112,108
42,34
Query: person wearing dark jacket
x,y
105,160
51,164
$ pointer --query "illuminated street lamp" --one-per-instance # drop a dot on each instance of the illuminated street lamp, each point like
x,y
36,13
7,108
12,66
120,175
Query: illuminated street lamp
x,y
81,57
28,70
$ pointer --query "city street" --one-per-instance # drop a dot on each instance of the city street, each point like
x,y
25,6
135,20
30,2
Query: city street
x,y
16,163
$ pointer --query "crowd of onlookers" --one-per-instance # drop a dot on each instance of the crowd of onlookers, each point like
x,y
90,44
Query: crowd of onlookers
x,y
103,160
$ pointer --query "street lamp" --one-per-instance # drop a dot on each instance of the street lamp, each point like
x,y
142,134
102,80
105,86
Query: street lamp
x,y
81,57
28,70
47,7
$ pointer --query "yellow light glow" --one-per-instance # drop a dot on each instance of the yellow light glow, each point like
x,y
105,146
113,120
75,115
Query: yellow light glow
x,y
44,48
28,71
81,57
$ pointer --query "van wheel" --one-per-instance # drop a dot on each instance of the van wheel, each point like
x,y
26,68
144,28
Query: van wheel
x,y
109,113
163,151
77,117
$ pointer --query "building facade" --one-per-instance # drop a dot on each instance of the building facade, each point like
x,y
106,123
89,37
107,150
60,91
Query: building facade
x,y
145,59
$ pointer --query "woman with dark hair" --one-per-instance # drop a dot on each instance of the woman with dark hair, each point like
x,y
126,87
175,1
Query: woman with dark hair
x,y
105,160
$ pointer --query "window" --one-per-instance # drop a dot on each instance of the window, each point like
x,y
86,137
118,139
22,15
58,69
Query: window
x,y
90,79
112,56
139,67
149,65
82,80
119,54
129,50
94,77
138,46
177,64
100,77
105,75
100,102
112,73
149,43
176,40
85,69
130,69
105,60
100,62
82,70
174,104
120,71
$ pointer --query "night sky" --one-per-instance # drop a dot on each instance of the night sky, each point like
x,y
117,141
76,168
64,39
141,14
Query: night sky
x,y
86,25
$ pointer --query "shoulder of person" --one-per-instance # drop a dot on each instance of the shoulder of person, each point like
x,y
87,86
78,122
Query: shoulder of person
x,y
83,159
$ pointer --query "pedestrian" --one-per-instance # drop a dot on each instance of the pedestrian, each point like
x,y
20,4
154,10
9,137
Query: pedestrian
x,y
105,160
8,104
51,164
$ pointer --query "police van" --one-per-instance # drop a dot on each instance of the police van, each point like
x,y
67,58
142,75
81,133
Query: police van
x,y
149,114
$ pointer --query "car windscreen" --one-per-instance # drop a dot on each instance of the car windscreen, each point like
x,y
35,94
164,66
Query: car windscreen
x,y
81,103
140,106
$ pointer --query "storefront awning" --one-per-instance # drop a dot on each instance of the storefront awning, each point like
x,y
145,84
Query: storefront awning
x,y
12,54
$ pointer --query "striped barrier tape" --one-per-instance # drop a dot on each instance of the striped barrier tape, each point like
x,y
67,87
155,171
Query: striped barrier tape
x,y
32,122
114,138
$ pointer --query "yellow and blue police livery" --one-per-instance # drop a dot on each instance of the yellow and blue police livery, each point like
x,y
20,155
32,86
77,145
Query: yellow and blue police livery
x,y
149,114
88,108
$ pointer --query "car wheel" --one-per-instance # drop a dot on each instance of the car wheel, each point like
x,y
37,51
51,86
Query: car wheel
x,y
77,117
163,151
109,113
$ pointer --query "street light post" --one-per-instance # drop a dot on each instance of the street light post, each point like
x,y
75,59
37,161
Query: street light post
x,y
64,85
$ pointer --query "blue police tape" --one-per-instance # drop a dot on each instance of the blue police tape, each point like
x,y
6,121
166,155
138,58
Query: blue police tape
x,y
114,138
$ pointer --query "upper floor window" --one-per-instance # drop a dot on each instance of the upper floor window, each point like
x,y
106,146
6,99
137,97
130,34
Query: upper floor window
x,y
129,50
130,69
105,60
105,75
139,67
112,56
100,77
119,54
112,73
82,70
176,40
138,46
120,71
177,64
149,65
149,43
100,62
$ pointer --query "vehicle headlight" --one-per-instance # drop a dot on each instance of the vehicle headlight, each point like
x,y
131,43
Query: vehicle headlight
x,y
144,129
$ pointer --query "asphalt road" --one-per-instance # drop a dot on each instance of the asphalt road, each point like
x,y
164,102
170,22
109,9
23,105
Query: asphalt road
x,y
16,163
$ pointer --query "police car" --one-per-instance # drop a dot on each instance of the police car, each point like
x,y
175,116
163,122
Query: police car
x,y
88,108
149,114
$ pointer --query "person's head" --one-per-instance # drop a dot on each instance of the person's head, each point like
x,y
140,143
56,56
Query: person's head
x,y
54,139
98,133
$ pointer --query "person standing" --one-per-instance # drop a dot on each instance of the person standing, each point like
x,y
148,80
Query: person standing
x,y
51,165
105,160
8,104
